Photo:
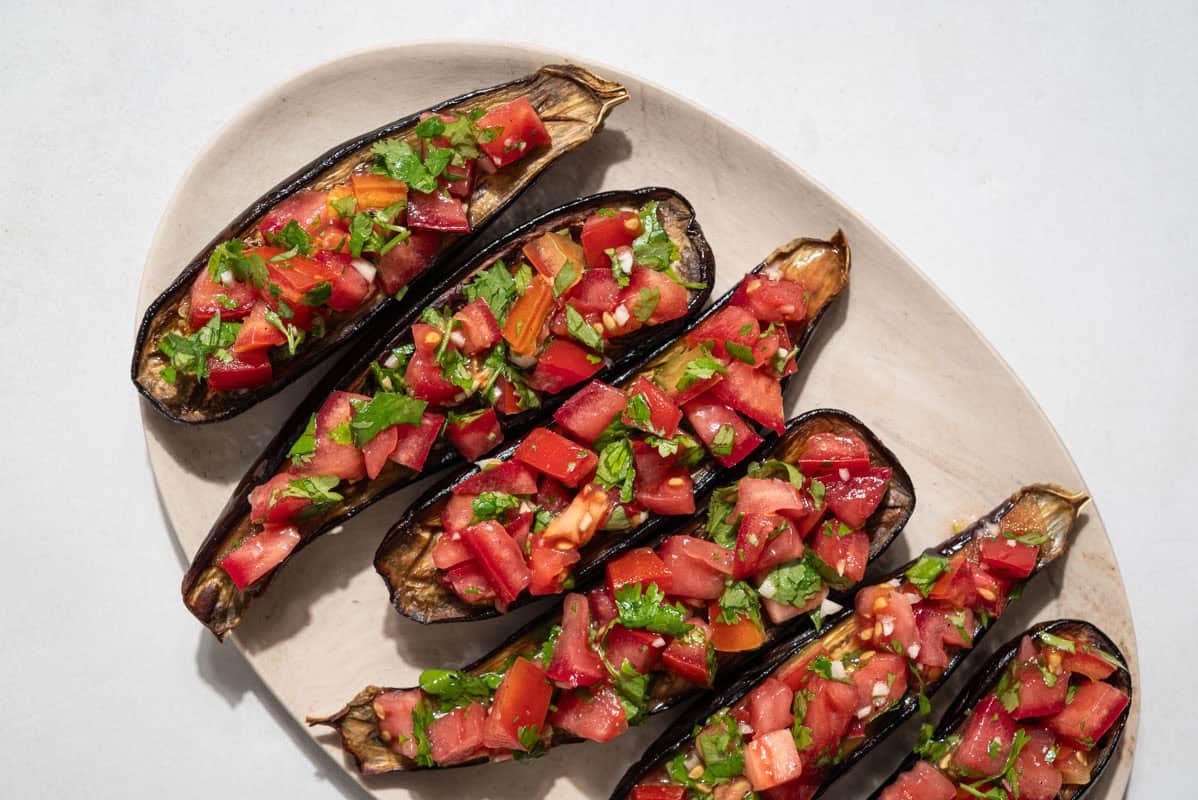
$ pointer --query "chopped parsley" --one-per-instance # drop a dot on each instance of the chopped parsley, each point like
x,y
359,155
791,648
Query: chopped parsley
x,y
924,573
565,278
794,584
739,601
303,448
292,238
493,505
295,336
496,286
380,412
721,746
721,443
581,330
700,369
454,689
740,352
653,248
189,354
231,257
318,489
646,303
617,469
645,607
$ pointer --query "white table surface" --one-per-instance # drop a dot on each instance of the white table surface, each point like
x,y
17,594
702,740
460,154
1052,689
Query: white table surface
x,y
995,147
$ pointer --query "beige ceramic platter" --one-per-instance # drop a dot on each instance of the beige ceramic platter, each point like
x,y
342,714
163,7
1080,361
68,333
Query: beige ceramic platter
x,y
895,352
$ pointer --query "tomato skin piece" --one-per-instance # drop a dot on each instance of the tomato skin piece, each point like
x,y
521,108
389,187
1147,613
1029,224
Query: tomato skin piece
x,y
707,417
457,736
580,520
305,207
574,663
955,586
771,760
521,700
415,441
602,233
1038,777
449,551
350,287
885,607
244,371
658,486
203,305
855,500
372,191
469,584
458,513
1095,708
590,410
479,327
977,754
260,554
563,364
640,565
528,314
510,477
283,508
873,676
753,393
499,559
1009,558
407,260
770,706
659,791
664,416
476,436
826,453
554,455
767,496
394,712
828,715
599,718
641,649
522,132
923,781
257,333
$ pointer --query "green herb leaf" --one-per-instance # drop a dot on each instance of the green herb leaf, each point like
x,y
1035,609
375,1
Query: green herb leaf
x,y
1064,645
924,573
345,206
722,525
493,505
645,607
292,238
385,409
303,448
646,303
740,352
397,159
231,257
653,248
496,286
319,294
565,278
617,469
454,689
580,330
721,747
318,489
721,443
189,354
739,601
794,584
294,335
700,369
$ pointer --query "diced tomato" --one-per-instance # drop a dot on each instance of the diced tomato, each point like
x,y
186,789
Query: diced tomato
x,y
479,327
205,300
751,539
475,433
824,453
1085,661
506,400
343,460
552,495
771,760
520,131
642,566
934,625
597,716
691,577
682,388
1036,697
499,558
705,552
267,503
457,513
955,586
1009,557
991,593
847,556
828,716
986,739
805,519
305,207
775,300
377,191
875,688
459,179
707,418
659,791
690,657
664,416
527,316
574,662
767,496
921,782
550,252
784,546
753,393
1038,776
394,713
590,410
601,233
659,487
521,701
520,528
457,736
780,612
595,293
415,441
641,649
672,300
603,605
550,568
730,325
260,554
427,382
407,260
510,477
742,635
448,551
469,584
349,287
769,706
884,608
556,456
244,371
437,211
563,364
1086,719
378,450
854,500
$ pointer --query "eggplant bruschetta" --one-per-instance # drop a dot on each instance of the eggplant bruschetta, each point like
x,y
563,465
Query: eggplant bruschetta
x,y
705,597
791,727
619,462
1040,721
585,291
309,264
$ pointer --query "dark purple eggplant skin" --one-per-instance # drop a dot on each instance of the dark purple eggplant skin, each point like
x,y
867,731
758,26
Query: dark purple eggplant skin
x,y
209,593
357,724
402,559
373,319
987,677
681,731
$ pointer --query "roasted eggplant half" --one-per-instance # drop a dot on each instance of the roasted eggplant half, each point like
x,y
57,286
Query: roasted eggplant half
x,y
488,358
1040,721
816,704
616,651
368,229
619,461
